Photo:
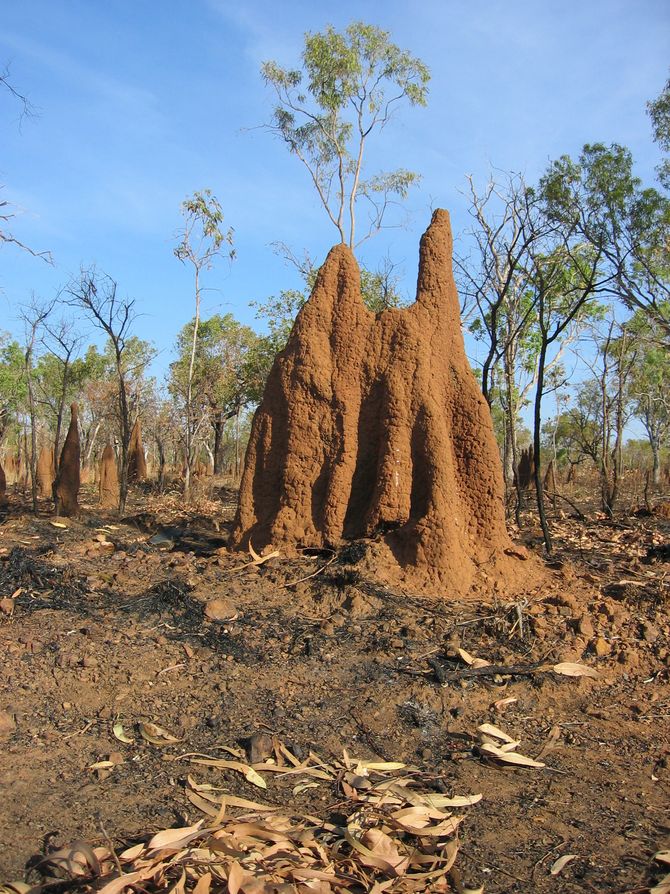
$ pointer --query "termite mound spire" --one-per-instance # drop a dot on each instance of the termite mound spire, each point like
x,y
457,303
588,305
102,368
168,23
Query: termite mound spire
x,y
373,426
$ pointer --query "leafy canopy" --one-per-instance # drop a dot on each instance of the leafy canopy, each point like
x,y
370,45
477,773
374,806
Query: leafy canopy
x,y
349,86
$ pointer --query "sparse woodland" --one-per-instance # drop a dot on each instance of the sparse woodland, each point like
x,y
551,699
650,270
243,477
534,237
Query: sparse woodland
x,y
199,717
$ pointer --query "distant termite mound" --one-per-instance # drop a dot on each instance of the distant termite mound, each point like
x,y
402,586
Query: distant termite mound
x,y
66,485
374,426
3,487
109,479
137,464
45,471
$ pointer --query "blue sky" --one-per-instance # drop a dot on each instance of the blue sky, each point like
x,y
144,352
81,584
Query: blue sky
x,y
141,103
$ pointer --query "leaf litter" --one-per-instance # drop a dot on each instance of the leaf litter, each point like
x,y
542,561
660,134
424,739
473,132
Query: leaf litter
x,y
389,833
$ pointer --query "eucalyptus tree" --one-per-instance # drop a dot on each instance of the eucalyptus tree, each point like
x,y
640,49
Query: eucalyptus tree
x,y
201,242
96,295
347,89
659,112
566,280
223,376
605,205
648,385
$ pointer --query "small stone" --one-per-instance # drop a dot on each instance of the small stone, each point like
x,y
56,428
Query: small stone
x,y
260,747
585,626
649,632
328,628
116,758
220,609
601,647
89,661
568,600
7,605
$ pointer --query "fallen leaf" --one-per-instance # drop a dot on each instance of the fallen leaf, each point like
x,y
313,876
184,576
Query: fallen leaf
x,y
510,757
156,734
203,884
663,887
102,765
255,778
561,863
56,524
175,838
119,733
503,702
571,669
490,730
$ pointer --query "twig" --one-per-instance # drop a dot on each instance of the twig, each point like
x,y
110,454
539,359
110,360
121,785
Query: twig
x,y
309,576
579,512
108,841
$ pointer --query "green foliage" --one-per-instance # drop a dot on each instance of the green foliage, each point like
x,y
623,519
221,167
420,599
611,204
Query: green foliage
x,y
659,112
349,85
203,236
599,200
223,376
12,381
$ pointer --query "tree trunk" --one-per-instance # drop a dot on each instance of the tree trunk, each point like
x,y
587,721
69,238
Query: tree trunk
x,y
537,428
218,426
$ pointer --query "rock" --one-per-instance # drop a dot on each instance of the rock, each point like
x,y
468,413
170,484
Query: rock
x,y
259,747
585,626
137,464
220,609
601,647
649,632
373,425
6,605
109,479
66,485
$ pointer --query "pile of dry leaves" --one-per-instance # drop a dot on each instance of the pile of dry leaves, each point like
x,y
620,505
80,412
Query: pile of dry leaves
x,y
387,832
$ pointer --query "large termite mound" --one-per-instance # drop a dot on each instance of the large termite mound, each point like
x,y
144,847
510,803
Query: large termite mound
x,y
66,485
109,479
137,464
374,426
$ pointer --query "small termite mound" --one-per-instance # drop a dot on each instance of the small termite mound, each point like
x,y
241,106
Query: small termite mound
x,y
137,464
45,471
373,426
109,479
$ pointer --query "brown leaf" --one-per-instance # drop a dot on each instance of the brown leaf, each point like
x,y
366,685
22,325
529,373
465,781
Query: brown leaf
x,y
175,838
561,863
572,669
510,757
156,734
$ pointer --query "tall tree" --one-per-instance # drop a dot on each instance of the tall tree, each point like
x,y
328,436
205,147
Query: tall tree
x,y
566,280
348,88
603,203
648,385
224,377
659,112
96,294
202,240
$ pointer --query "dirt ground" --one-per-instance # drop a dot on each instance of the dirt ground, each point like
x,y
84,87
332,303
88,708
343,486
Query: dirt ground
x,y
148,620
